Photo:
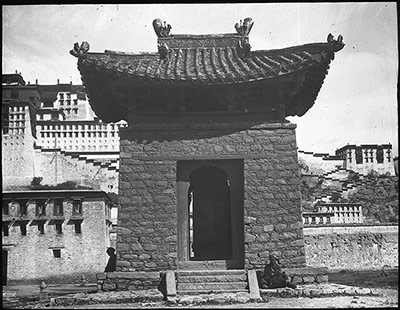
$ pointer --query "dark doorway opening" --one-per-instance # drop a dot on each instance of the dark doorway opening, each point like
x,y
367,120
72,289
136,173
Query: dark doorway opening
x,y
210,214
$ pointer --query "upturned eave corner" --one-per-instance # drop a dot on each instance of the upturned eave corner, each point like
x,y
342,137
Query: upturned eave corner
x,y
80,51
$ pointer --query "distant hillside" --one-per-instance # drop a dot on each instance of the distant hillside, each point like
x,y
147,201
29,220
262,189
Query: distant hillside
x,y
378,194
379,199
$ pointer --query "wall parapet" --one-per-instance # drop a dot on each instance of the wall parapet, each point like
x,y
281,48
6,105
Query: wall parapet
x,y
350,229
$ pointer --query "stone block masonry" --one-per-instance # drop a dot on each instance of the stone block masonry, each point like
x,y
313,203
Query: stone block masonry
x,y
352,247
148,238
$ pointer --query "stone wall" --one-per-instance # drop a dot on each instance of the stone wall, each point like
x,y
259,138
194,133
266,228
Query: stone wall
x,y
18,167
31,258
147,218
56,167
131,281
352,247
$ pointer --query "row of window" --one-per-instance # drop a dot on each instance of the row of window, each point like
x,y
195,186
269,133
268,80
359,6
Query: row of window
x,y
17,116
17,109
40,228
58,208
81,127
68,101
68,111
67,95
16,124
369,156
83,148
76,134
10,131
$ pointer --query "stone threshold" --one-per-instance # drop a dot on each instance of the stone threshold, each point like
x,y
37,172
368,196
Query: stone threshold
x,y
318,290
154,296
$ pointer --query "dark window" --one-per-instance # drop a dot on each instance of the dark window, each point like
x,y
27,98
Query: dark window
x,y
359,156
5,208
5,228
41,228
59,228
40,209
379,156
23,208
76,207
388,155
57,253
366,156
58,208
349,156
23,228
78,229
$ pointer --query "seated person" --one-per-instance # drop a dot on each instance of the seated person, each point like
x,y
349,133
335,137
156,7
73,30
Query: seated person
x,y
273,277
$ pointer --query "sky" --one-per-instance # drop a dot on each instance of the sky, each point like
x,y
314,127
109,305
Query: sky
x,y
357,103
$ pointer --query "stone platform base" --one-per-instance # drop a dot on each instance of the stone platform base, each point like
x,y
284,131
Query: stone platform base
x,y
150,280
307,275
156,298
131,281
317,290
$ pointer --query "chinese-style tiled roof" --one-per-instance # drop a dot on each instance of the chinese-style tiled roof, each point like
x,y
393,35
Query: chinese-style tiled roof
x,y
211,61
210,65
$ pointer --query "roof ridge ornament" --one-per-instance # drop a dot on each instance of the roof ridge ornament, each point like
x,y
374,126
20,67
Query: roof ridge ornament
x,y
161,31
163,50
336,45
244,48
80,51
244,28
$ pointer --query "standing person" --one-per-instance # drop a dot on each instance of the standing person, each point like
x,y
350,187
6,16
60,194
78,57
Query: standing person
x,y
112,261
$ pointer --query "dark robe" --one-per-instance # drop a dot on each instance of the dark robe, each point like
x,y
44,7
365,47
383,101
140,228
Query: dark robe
x,y
112,263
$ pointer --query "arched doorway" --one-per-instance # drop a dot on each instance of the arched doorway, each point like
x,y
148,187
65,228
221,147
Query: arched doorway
x,y
210,214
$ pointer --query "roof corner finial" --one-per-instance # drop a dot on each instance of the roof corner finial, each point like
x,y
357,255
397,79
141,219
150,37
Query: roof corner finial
x,y
245,26
80,51
336,45
161,31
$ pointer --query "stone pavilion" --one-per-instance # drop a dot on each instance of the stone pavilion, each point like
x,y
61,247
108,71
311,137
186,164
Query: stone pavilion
x,y
209,176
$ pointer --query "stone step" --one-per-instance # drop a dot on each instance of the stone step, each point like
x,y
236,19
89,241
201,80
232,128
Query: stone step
x,y
212,278
212,286
216,291
210,272
207,265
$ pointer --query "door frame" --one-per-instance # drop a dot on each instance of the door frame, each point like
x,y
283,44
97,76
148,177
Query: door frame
x,y
234,170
